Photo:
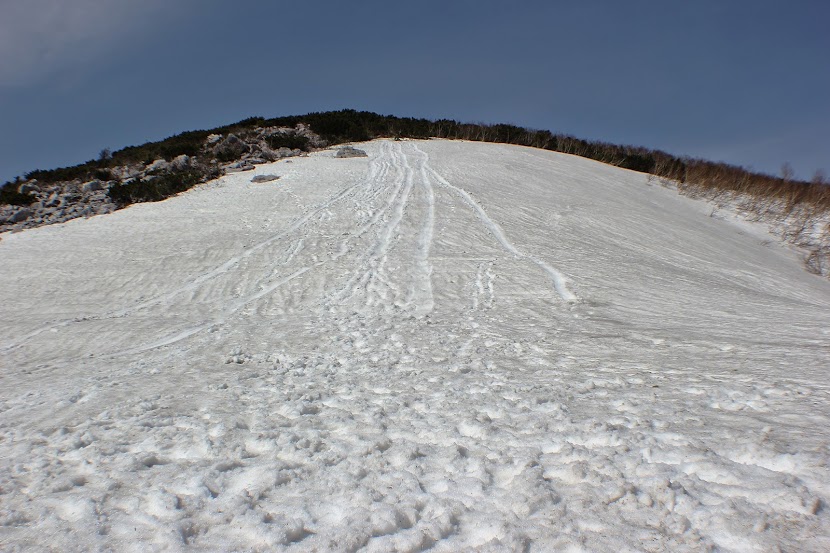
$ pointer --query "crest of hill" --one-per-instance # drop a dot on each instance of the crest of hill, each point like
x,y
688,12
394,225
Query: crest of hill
x,y
798,211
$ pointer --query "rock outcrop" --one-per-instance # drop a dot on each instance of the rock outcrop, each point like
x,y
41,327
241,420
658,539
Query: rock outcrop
x,y
58,202
230,148
58,205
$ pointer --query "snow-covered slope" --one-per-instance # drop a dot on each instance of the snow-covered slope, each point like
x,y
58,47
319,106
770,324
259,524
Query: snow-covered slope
x,y
445,345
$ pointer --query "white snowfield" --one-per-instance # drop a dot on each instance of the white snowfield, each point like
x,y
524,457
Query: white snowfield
x,y
445,346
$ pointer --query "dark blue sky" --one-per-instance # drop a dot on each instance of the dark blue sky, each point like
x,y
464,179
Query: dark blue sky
x,y
746,82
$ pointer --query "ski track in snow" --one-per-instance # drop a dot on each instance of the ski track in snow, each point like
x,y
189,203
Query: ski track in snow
x,y
386,354
558,279
195,283
425,238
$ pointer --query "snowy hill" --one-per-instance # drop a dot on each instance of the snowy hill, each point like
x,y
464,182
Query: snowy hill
x,y
445,345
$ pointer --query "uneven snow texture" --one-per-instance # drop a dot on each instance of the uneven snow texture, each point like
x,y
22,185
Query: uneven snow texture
x,y
448,346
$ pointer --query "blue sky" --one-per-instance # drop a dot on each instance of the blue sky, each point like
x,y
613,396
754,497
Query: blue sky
x,y
747,82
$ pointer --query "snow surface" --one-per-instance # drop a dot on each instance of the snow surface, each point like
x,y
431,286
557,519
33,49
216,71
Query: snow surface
x,y
446,345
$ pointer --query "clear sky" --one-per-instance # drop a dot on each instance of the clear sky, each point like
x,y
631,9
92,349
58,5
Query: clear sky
x,y
743,81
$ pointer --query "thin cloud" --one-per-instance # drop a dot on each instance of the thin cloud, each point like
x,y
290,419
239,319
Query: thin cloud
x,y
41,37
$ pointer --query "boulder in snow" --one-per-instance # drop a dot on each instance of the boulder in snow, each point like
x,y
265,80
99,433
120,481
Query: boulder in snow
x,y
265,178
349,151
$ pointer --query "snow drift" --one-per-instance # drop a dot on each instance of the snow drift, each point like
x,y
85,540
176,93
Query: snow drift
x,y
445,345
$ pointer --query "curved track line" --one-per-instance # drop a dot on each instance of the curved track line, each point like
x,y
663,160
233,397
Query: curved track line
x,y
560,281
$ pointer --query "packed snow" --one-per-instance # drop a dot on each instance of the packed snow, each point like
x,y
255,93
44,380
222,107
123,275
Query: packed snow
x,y
445,345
